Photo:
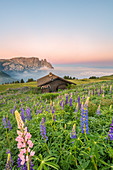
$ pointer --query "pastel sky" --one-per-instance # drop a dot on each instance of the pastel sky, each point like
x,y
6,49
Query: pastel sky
x,y
62,31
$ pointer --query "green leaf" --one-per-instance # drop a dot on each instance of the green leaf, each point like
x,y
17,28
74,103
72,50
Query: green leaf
x,y
53,165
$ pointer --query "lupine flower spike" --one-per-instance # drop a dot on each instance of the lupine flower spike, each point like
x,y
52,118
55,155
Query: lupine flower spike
x,y
43,129
110,133
24,143
98,110
84,120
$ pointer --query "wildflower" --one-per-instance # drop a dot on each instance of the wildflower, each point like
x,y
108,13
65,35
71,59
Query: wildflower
x,y
54,118
52,111
110,88
100,91
73,132
70,104
93,91
22,113
98,110
9,163
4,122
110,133
28,113
84,120
43,129
24,142
9,124
79,102
19,120
12,111
66,101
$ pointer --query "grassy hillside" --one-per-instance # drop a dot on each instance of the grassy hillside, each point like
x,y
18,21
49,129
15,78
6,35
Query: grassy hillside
x,y
34,84
76,132
18,85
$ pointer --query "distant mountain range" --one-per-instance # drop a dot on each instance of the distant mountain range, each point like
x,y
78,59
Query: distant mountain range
x,y
21,67
21,64
4,78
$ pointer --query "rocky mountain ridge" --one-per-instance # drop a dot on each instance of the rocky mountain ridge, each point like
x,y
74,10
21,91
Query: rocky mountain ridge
x,y
22,64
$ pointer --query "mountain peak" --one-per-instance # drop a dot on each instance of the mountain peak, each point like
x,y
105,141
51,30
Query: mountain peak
x,y
23,63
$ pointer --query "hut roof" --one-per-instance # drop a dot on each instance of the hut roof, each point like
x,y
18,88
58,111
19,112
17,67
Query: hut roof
x,y
50,77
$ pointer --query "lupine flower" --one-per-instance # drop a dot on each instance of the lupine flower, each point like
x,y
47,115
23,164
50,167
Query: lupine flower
x,y
66,101
100,91
24,167
110,88
9,124
63,105
24,143
79,102
110,133
93,91
28,113
15,107
8,164
98,110
54,118
12,111
76,109
8,152
22,113
84,120
43,129
4,122
73,132
70,104
52,111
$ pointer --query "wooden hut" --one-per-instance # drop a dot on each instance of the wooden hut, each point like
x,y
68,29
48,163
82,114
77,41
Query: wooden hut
x,y
51,83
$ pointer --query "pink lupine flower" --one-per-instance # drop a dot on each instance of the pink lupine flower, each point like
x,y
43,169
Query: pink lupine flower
x,y
28,149
30,143
32,153
28,136
24,142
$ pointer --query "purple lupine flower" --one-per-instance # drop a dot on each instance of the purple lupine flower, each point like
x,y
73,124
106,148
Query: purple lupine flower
x,y
84,120
54,118
63,105
52,111
37,111
66,101
79,102
53,107
22,113
43,129
24,167
100,91
18,162
73,132
70,104
8,151
15,107
98,110
93,91
9,161
9,124
12,111
110,133
4,122
28,113
61,102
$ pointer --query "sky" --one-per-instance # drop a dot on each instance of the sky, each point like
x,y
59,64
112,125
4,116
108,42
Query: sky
x,y
62,31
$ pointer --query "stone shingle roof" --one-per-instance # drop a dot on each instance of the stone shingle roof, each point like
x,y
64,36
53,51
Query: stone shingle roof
x,y
50,77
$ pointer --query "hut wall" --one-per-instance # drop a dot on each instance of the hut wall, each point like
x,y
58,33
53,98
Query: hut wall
x,y
57,84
